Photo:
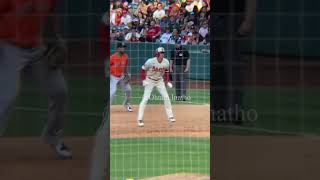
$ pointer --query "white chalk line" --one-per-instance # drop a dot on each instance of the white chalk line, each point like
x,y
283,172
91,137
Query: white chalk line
x,y
270,131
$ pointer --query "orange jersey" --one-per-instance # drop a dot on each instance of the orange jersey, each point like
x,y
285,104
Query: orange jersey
x,y
118,64
21,21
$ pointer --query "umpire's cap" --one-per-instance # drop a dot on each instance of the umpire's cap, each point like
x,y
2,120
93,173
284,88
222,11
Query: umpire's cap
x,y
121,45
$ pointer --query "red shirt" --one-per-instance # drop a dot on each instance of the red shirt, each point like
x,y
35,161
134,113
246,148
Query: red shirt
x,y
152,31
21,21
118,19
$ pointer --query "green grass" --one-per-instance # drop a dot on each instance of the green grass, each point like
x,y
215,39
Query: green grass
x,y
154,156
289,110
86,101
281,109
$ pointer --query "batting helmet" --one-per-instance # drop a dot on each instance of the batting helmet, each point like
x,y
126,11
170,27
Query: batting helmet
x,y
159,50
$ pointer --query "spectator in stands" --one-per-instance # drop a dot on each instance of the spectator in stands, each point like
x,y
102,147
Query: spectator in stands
x,y
143,7
164,23
166,36
116,17
126,18
183,35
113,34
172,23
203,31
190,4
174,8
153,32
117,4
126,30
143,32
119,36
133,6
132,36
203,15
174,37
159,13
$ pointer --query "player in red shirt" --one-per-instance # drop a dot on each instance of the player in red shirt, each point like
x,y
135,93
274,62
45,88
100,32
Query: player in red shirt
x,y
23,45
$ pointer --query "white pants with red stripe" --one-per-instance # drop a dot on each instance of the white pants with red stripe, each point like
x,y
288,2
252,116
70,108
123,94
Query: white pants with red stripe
x,y
148,87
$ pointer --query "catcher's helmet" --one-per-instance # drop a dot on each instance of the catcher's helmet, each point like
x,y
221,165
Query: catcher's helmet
x,y
159,50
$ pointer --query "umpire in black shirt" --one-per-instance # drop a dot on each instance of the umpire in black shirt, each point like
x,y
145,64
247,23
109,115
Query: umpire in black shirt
x,y
233,20
179,65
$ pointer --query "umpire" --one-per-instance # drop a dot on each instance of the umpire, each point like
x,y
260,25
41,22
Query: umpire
x,y
233,21
180,64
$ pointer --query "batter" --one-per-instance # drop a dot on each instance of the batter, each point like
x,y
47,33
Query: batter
x,y
152,75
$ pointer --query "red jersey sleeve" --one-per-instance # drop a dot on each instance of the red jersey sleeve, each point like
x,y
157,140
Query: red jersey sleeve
x,y
53,2
143,74
5,6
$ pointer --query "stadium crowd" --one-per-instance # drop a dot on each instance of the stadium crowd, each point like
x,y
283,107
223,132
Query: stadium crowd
x,y
160,21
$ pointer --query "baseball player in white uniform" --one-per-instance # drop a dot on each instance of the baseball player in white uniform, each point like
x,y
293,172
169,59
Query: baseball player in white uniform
x,y
152,75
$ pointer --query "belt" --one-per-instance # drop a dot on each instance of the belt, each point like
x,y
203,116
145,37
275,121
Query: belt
x,y
153,79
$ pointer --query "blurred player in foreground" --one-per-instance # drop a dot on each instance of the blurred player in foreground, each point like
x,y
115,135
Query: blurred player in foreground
x,y
119,73
29,41
152,75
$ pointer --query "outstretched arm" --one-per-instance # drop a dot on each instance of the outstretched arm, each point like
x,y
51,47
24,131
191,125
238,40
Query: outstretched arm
x,y
143,74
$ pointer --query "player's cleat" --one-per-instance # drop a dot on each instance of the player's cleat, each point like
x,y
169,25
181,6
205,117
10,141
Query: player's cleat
x,y
140,123
62,151
171,119
128,108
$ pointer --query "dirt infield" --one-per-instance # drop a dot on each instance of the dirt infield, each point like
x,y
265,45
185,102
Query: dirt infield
x,y
30,159
191,120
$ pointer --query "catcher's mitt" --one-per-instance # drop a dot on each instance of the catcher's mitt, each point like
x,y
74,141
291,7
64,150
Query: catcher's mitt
x,y
56,54
127,78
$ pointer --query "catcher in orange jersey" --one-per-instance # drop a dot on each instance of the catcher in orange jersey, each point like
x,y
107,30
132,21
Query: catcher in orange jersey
x,y
119,74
